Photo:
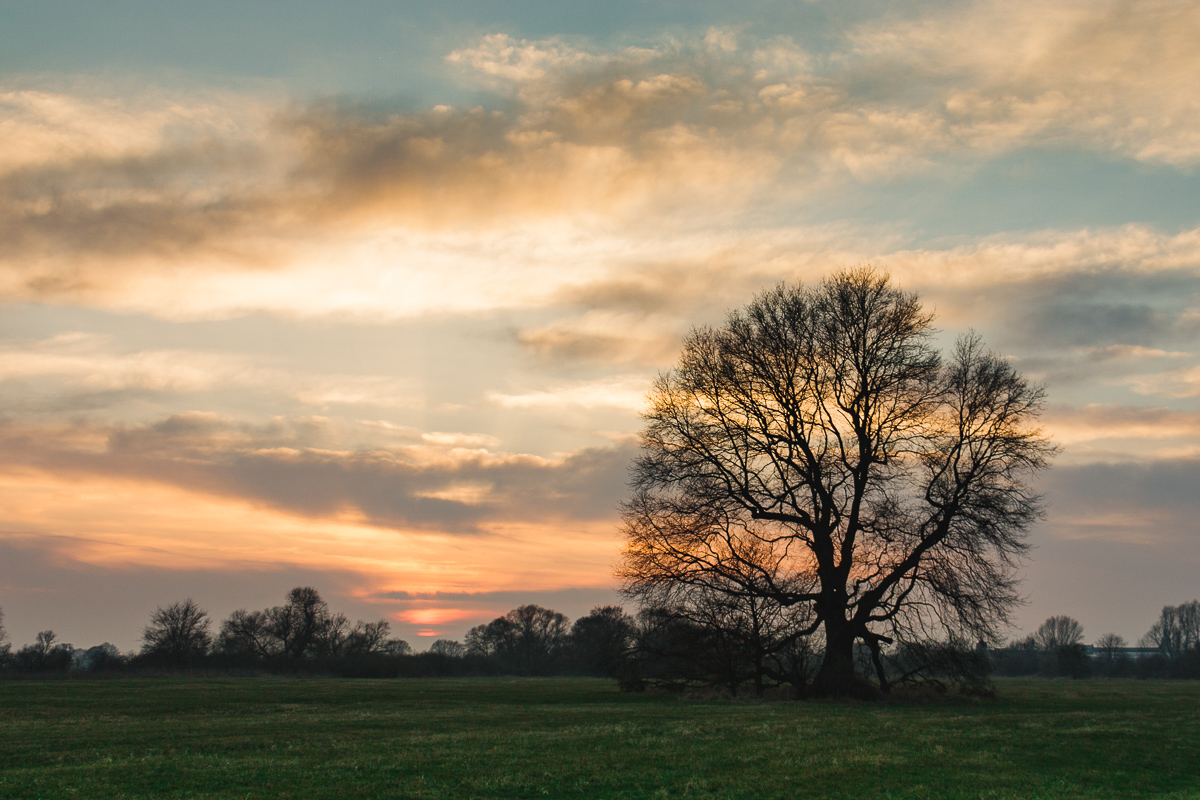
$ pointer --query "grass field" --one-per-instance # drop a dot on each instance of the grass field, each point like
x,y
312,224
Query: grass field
x,y
581,738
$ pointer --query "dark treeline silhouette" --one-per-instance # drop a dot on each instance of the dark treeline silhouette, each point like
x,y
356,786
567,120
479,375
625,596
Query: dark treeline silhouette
x,y
1170,649
734,647
304,636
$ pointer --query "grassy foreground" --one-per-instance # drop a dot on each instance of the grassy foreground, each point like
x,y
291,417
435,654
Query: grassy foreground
x,y
581,738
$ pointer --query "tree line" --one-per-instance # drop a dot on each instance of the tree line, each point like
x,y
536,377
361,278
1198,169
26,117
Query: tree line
x,y
304,636
1170,649
733,651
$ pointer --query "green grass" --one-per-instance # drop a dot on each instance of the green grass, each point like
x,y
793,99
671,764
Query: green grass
x,y
581,738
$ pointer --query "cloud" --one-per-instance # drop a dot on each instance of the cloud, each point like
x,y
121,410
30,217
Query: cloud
x,y
1081,296
624,391
1122,434
81,370
1176,383
1154,501
97,190
1110,75
87,362
640,313
499,56
604,337
434,484
52,128
216,204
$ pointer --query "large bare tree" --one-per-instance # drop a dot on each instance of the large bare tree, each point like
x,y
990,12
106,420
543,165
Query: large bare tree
x,y
817,450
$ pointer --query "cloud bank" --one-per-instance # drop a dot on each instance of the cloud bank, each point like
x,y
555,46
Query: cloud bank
x,y
225,202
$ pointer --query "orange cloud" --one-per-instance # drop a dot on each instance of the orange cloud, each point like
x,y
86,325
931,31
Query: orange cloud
x,y
112,522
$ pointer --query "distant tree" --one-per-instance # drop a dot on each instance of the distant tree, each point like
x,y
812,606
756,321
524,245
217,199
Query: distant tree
x,y
1111,659
178,634
526,640
496,639
372,637
101,658
540,636
755,631
601,640
46,654
245,636
1019,657
300,631
1176,632
721,640
44,642
332,637
396,647
297,625
672,651
819,432
337,638
1058,632
448,647
1061,640
940,661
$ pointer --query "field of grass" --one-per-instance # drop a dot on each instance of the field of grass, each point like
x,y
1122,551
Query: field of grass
x,y
280,738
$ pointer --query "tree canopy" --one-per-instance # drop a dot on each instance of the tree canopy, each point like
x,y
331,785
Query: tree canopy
x,y
817,452
178,633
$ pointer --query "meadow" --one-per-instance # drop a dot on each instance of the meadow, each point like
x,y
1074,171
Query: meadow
x,y
525,738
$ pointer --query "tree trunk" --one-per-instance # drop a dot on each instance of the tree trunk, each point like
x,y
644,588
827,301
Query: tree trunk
x,y
837,676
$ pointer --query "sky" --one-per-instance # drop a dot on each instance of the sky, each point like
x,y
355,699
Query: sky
x,y
367,295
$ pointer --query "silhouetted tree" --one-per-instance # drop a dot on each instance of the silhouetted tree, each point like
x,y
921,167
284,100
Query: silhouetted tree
x,y
101,658
297,624
245,637
372,637
1176,631
1021,657
494,639
396,647
527,640
302,631
816,451
670,651
332,637
1111,659
1061,640
601,640
449,648
178,634
1176,634
337,638
46,654
1058,632
44,642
